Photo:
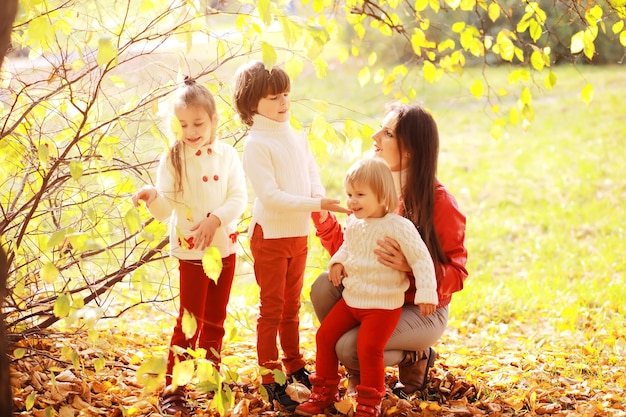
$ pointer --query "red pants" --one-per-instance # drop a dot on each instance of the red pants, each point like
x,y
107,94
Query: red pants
x,y
207,301
279,269
374,332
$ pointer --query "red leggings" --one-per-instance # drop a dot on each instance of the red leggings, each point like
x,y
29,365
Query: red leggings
x,y
207,301
279,269
376,326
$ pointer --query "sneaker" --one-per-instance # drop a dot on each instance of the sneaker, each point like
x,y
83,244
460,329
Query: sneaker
x,y
301,376
276,392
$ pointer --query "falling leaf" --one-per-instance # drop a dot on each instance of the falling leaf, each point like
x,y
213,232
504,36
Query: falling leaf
x,y
190,325
212,263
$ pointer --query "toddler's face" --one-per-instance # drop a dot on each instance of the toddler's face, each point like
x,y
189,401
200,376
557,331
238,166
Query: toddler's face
x,y
275,107
363,202
197,127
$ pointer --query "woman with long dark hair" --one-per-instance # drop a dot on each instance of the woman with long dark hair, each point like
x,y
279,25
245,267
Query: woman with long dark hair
x,y
408,141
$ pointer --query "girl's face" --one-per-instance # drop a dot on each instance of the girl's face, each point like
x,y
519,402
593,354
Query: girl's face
x,y
363,202
386,143
275,107
197,126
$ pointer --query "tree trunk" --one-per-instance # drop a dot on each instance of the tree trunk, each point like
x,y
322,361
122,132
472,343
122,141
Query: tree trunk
x,y
7,16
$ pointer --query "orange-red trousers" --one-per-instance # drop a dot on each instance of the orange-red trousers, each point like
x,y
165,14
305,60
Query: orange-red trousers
x,y
376,326
279,269
207,301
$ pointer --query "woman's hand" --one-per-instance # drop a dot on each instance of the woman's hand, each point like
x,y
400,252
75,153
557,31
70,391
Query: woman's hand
x,y
426,309
390,254
146,194
205,232
336,274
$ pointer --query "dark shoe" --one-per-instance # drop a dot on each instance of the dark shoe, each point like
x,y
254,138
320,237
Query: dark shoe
x,y
301,376
172,401
413,372
276,392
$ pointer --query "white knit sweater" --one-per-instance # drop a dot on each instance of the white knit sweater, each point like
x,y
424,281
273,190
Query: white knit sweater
x,y
213,182
369,283
284,177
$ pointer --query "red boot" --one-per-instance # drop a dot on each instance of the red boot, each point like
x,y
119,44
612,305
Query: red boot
x,y
323,396
368,401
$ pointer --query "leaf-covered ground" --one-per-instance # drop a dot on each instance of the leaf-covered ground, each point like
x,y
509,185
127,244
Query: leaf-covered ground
x,y
481,370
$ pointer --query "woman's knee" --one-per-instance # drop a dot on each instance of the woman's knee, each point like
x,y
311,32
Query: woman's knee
x,y
324,295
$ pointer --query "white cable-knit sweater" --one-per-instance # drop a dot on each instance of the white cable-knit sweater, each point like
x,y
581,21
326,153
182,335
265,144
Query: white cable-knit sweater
x,y
284,177
370,284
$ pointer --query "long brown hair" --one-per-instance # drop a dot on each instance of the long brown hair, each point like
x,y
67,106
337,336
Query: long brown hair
x,y
417,134
196,95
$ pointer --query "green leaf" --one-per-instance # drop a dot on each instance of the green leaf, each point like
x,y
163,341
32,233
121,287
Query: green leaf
x,y
106,52
48,272
212,263
189,324
62,306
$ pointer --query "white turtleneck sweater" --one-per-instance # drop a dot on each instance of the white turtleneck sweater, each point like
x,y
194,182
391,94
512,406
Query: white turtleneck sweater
x,y
284,177
369,283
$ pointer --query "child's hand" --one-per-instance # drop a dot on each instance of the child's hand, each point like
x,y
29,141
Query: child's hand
x,y
336,274
205,231
146,194
333,205
426,309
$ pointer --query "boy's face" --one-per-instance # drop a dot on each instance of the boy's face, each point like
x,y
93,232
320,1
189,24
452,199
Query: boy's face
x,y
197,126
275,107
363,202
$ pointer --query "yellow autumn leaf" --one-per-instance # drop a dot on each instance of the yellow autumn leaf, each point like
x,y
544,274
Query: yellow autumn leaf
x,y
132,220
586,94
62,306
151,372
212,263
182,373
190,324
269,55
48,272
477,89
30,400
347,406
106,52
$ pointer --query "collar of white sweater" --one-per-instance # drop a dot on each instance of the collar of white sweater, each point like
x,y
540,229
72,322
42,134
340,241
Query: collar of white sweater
x,y
260,122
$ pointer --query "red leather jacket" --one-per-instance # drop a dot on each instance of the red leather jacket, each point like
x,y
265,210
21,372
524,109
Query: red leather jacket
x,y
450,228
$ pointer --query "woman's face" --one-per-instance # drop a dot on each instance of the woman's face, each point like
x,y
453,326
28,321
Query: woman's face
x,y
386,143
